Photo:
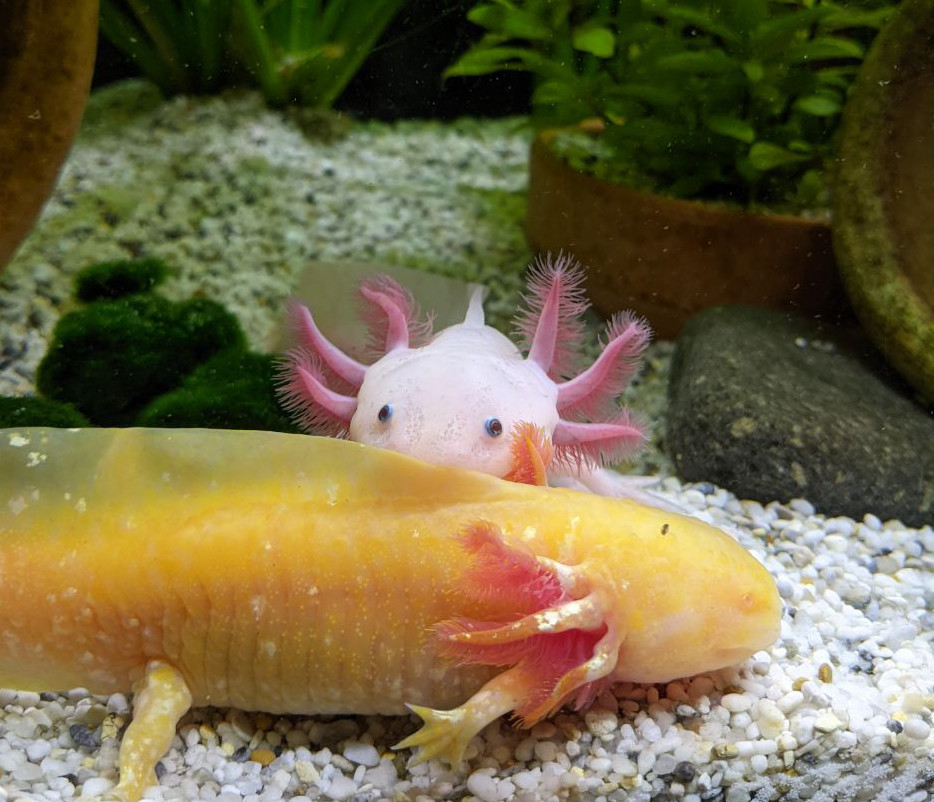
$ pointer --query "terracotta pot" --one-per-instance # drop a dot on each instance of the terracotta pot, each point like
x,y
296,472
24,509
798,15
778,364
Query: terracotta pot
x,y
47,50
667,259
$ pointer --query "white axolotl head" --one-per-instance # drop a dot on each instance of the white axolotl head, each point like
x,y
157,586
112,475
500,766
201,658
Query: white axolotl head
x,y
461,396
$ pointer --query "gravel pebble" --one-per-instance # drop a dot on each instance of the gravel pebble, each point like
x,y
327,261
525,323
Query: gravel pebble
x,y
483,786
362,753
917,729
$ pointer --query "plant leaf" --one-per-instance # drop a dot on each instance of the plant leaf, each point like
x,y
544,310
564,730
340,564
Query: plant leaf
x,y
733,127
698,19
765,156
783,28
509,21
481,60
710,61
842,18
824,48
597,40
823,105
754,70
653,94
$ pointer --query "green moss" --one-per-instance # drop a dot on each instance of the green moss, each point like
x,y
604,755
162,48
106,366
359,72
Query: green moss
x,y
119,104
110,280
111,358
233,390
31,411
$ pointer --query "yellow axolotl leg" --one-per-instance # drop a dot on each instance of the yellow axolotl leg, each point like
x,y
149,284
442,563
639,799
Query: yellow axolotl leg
x,y
446,733
162,698
557,648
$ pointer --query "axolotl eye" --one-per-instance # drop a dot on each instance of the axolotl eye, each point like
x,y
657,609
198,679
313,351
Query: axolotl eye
x,y
385,413
493,426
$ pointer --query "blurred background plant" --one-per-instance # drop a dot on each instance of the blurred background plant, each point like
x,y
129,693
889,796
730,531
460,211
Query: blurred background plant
x,y
296,51
736,100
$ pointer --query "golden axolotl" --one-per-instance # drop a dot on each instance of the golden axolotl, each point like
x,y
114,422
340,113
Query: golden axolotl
x,y
297,574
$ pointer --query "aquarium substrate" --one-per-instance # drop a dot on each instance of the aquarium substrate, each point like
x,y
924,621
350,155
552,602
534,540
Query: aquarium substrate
x,y
239,200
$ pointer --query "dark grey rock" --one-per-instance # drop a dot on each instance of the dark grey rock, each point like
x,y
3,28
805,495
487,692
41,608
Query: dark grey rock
x,y
774,407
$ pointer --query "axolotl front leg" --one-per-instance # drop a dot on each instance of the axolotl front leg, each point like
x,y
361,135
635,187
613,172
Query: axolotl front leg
x,y
563,651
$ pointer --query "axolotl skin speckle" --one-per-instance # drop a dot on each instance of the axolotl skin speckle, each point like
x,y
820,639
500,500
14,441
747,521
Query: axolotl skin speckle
x,y
297,574
463,396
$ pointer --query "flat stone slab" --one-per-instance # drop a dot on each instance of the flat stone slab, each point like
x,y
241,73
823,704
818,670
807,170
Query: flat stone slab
x,y
774,407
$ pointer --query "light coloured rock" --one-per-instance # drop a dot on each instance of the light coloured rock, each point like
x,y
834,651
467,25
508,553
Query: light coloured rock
x,y
483,786
362,753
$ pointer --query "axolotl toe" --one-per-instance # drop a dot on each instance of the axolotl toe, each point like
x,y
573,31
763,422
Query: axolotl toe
x,y
298,574
460,397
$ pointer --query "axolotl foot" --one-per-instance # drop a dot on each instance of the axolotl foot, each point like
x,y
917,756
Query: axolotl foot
x,y
560,652
162,698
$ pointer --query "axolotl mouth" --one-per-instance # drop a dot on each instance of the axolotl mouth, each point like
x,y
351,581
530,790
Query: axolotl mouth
x,y
739,617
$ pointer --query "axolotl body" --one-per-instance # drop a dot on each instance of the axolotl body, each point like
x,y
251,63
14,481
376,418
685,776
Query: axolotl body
x,y
298,574
463,396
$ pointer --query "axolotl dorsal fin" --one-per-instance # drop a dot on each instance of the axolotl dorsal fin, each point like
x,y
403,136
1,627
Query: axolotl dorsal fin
x,y
475,315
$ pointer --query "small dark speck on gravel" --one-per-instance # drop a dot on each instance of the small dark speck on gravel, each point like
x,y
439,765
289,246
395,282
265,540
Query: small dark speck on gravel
x,y
894,726
48,697
160,770
242,755
684,772
82,736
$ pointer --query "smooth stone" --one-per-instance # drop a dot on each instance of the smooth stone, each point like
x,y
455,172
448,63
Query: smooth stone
x,y
917,729
774,407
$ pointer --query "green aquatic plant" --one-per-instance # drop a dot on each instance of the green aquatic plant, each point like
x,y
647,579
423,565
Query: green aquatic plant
x,y
16,411
233,390
737,100
303,51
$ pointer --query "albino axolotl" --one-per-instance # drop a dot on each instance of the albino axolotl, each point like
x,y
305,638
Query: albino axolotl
x,y
297,574
465,396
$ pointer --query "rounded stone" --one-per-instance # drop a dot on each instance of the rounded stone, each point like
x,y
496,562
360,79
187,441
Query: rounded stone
x,y
483,786
917,728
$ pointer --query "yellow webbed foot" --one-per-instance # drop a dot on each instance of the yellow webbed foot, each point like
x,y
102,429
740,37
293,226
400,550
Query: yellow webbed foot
x,y
446,733
162,698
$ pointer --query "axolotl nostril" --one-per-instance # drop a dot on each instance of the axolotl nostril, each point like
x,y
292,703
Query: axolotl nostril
x,y
297,574
460,397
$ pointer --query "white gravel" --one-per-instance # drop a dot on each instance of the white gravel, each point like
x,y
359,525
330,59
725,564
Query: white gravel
x,y
839,709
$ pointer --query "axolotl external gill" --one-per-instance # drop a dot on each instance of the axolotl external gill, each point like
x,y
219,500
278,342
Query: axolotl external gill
x,y
462,396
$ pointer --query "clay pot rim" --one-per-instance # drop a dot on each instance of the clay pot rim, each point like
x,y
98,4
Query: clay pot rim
x,y
666,204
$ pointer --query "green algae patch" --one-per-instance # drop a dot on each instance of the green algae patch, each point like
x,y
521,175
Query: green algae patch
x,y
111,358
883,204
117,279
32,411
233,390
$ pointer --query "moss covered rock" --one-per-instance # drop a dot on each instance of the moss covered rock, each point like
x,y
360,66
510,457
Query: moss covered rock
x,y
33,411
111,280
112,358
233,390
883,203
